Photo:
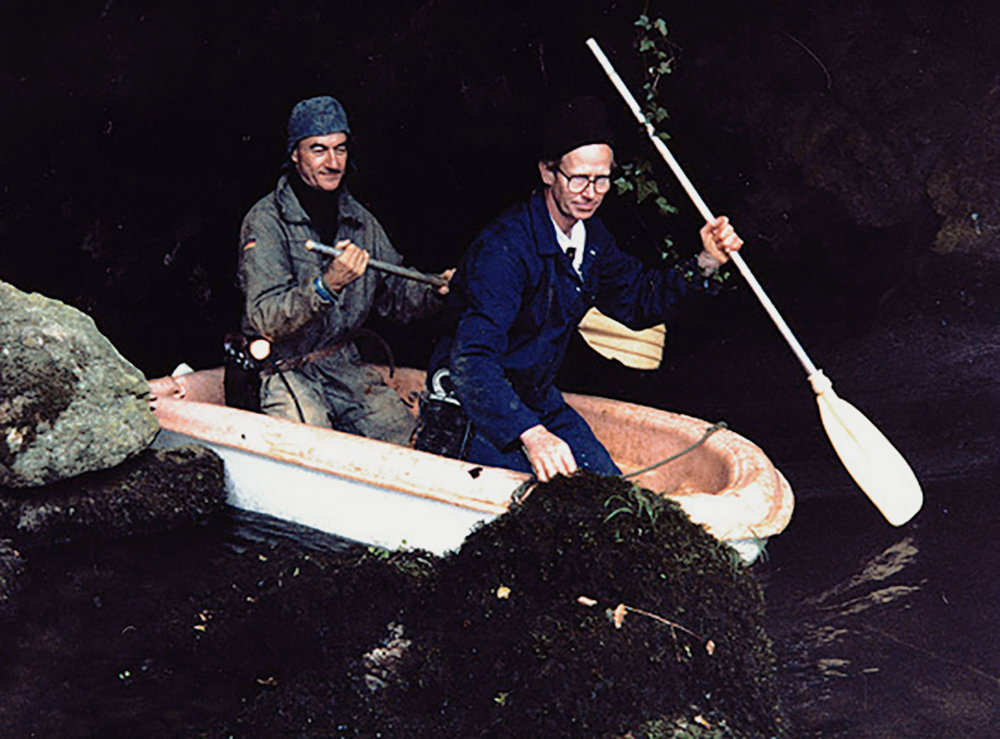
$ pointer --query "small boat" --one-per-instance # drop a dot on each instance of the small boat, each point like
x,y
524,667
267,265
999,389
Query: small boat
x,y
392,496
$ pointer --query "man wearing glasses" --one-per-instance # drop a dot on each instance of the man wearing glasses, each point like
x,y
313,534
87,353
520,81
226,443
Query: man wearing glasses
x,y
311,307
522,289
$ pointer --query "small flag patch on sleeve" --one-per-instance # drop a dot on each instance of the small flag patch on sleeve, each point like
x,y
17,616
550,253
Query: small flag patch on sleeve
x,y
250,244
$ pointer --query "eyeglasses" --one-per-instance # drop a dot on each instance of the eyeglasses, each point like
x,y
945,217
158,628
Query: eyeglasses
x,y
577,183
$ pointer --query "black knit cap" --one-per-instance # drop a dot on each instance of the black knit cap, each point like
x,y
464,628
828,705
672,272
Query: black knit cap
x,y
575,123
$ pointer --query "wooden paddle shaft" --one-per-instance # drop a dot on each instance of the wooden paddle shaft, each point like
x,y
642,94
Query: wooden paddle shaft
x,y
702,207
410,274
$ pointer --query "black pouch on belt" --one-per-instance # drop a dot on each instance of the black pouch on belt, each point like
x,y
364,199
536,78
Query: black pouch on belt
x,y
442,428
242,373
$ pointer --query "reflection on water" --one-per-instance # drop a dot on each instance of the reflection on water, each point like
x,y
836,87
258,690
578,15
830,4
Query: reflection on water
x,y
884,632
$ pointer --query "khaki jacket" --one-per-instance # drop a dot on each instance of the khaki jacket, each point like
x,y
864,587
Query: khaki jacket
x,y
277,274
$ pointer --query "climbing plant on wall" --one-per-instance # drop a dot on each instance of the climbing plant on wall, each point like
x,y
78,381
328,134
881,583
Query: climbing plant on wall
x,y
636,179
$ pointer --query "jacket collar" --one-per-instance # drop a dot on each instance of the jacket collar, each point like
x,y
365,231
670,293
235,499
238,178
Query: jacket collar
x,y
541,222
292,211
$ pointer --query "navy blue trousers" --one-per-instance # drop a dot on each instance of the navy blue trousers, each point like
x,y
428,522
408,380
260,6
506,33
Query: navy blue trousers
x,y
569,426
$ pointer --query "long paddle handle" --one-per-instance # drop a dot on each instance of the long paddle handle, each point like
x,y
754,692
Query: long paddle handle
x,y
410,274
702,207
873,462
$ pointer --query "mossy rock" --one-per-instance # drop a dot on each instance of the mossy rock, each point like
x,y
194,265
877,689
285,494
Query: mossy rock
x,y
156,490
592,610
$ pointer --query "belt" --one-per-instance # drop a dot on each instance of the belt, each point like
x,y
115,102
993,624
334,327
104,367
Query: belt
x,y
294,363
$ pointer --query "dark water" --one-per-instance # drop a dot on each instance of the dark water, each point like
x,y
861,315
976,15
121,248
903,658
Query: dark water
x,y
879,631
883,632
137,137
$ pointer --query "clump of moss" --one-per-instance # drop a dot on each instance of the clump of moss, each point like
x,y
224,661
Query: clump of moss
x,y
156,490
591,610
34,391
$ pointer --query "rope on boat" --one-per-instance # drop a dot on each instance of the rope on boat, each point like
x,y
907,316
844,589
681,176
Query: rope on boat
x,y
524,489
708,432
521,493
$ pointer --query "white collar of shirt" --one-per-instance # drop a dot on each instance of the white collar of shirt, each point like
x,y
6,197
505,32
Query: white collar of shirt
x,y
576,240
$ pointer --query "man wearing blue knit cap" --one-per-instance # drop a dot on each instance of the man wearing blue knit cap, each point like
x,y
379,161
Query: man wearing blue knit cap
x,y
311,307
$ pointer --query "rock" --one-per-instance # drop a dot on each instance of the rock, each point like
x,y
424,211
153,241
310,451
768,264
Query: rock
x,y
964,185
11,570
157,490
69,402
870,113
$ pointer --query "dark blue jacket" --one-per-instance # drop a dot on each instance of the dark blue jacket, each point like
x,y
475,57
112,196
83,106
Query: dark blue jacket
x,y
514,304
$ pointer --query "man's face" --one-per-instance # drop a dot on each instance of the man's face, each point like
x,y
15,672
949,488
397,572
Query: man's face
x,y
592,160
322,160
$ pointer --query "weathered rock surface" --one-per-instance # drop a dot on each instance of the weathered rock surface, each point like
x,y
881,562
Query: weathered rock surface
x,y
885,112
69,402
11,570
965,186
157,490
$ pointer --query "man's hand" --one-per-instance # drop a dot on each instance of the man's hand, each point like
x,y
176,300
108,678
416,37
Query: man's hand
x,y
549,455
718,239
346,268
446,276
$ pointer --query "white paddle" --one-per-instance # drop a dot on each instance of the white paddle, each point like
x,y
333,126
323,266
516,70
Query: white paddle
x,y
874,463
636,349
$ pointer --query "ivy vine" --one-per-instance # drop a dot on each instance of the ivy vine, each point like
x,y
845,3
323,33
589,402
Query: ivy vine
x,y
659,57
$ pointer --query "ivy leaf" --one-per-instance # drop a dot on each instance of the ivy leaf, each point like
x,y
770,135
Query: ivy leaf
x,y
623,186
660,25
645,45
662,205
643,22
645,188
665,207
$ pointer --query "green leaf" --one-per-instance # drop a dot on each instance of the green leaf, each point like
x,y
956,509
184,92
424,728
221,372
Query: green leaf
x,y
613,498
616,512
645,188
645,45
666,209
643,22
623,186
661,26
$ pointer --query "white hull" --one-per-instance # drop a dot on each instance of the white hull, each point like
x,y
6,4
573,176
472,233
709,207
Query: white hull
x,y
390,496
348,508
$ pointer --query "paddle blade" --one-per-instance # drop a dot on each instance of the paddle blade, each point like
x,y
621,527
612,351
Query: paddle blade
x,y
613,340
874,463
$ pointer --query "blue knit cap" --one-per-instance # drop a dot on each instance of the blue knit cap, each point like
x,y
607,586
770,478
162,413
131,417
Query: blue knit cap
x,y
317,116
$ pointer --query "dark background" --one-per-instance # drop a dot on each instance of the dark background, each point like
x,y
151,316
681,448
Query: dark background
x,y
854,143
134,137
